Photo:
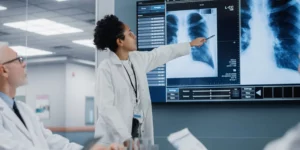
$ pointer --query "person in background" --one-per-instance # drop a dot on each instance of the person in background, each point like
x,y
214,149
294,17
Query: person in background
x,y
122,93
289,141
20,128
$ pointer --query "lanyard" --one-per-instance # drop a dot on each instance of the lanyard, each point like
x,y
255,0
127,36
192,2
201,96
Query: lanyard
x,y
134,89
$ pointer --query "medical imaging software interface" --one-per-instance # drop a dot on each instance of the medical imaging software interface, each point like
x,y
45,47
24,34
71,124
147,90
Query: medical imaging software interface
x,y
252,53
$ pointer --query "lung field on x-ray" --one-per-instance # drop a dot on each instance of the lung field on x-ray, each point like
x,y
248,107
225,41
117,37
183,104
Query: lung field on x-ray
x,y
172,28
196,27
284,20
270,35
245,18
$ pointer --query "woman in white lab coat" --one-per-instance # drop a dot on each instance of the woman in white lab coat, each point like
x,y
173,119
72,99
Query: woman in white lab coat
x,y
122,94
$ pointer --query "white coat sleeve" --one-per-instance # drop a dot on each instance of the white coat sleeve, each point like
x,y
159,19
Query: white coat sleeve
x,y
107,110
163,54
7,142
290,140
55,141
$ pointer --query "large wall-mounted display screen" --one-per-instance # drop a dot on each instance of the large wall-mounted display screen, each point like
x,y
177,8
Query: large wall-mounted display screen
x,y
252,56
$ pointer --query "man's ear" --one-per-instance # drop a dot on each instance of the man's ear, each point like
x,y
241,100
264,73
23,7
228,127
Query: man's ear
x,y
3,70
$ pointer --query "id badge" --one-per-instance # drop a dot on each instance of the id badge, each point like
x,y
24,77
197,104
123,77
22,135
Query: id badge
x,y
138,114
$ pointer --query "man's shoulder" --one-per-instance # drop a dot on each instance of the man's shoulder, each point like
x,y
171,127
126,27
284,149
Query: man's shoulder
x,y
24,106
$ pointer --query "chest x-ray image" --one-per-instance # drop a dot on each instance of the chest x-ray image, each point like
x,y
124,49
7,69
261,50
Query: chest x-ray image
x,y
184,26
270,41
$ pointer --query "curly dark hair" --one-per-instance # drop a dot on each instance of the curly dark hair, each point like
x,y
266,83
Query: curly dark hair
x,y
107,31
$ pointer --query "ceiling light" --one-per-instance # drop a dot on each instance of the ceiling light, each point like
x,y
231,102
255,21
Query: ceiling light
x,y
43,26
2,8
26,51
61,0
85,42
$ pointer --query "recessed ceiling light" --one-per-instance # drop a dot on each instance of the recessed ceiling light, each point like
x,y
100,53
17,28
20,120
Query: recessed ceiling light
x,y
27,51
85,42
2,8
61,0
43,26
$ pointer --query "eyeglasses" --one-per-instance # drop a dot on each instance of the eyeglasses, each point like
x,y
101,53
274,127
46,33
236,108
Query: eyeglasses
x,y
20,59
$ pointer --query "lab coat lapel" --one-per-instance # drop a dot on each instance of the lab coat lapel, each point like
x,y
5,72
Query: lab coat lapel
x,y
8,112
144,102
116,61
28,122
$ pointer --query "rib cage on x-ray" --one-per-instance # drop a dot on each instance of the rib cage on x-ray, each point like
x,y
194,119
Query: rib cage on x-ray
x,y
245,18
284,19
196,28
172,28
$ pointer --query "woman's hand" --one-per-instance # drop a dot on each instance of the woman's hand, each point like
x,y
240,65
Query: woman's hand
x,y
135,144
198,42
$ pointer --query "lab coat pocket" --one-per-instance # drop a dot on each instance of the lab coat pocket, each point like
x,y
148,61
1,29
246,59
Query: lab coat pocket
x,y
122,95
123,92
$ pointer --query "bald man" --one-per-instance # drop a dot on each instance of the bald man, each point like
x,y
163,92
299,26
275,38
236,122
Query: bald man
x,y
20,128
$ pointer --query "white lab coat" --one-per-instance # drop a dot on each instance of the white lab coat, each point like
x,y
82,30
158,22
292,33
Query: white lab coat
x,y
115,97
290,140
15,136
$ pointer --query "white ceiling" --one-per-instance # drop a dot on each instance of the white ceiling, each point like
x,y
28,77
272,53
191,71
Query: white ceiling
x,y
75,13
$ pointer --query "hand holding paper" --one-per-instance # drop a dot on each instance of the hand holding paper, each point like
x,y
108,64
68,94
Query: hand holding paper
x,y
184,140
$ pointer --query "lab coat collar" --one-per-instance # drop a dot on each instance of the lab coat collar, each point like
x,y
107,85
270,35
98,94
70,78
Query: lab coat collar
x,y
8,112
116,61
29,125
9,101
114,58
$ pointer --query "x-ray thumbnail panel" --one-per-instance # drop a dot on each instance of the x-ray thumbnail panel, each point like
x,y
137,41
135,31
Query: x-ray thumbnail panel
x,y
184,26
270,41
